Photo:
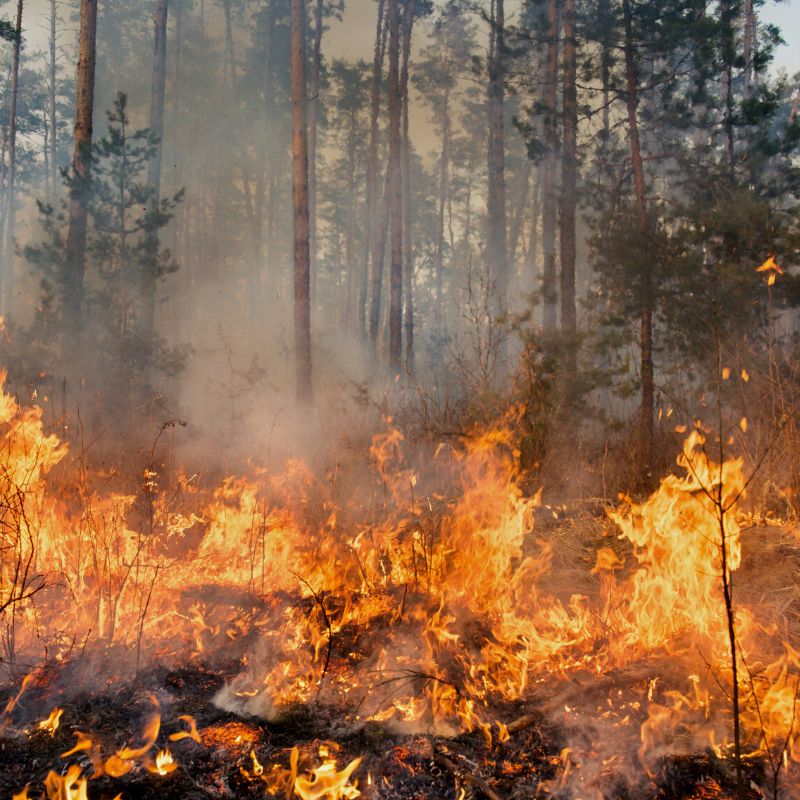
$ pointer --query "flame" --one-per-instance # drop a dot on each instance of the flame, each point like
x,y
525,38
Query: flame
x,y
50,725
84,743
122,762
675,588
770,266
71,786
164,764
190,734
442,566
328,783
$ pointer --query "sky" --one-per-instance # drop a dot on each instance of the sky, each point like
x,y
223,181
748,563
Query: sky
x,y
787,17
353,37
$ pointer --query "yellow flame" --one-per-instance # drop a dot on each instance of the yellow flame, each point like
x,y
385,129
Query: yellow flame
x,y
190,734
326,783
164,764
50,725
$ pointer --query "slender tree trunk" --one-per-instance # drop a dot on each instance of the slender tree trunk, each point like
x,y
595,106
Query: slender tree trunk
x,y
74,262
372,176
157,92
396,252
52,103
604,13
444,173
496,195
11,202
549,198
646,278
269,158
536,213
352,167
229,57
519,208
378,258
568,176
727,12
749,46
302,265
313,114
408,259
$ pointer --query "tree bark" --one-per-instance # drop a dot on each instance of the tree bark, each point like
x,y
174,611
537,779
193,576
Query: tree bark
x,y
568,175
372,176
444,173
727,13
11,203
157,92
313,114
352,168
74,261
408,260
378,258
519,208
549,198
51,106
646,278
270,167
749,46
302,265
496,194
226,7
396,252
604,12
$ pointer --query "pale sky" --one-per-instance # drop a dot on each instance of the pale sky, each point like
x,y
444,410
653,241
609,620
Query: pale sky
x,y
353,37
787,17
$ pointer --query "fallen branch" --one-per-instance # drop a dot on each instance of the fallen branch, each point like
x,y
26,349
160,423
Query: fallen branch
x,y
465,777
521,723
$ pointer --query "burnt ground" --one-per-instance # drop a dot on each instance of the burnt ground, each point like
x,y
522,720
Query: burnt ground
x,y
423,767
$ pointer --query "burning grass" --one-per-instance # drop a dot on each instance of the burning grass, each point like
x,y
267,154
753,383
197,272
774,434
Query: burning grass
x,y
432,631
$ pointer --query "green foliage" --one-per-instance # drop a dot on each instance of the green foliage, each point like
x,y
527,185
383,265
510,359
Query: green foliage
x,y
7,31
712,221
123,258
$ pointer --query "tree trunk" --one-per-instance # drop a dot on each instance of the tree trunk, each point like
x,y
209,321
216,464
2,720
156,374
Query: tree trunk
x,y
604,13
313,114
519,208
74,262
496,194
226,6
444,172
727,14
11,203
372,175
408,260
749,46
269,163
536,213
568,175
52,103
378,257
549,198
646,278
302,266
352,168
396,252
157,91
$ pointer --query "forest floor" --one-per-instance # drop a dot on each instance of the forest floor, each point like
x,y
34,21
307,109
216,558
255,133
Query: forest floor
x,y
393,766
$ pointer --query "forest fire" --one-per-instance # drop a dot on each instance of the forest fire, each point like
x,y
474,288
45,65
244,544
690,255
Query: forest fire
x,y
399,400
429,605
